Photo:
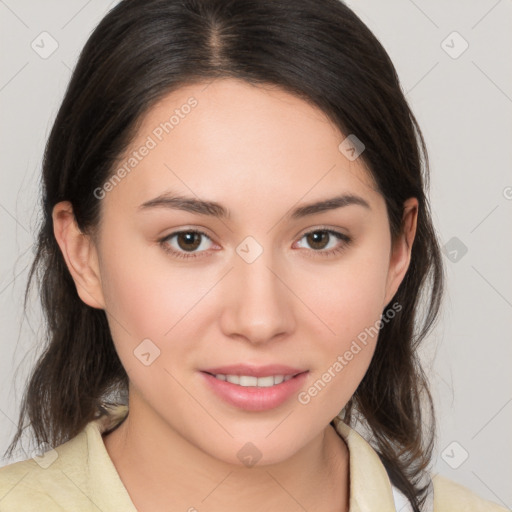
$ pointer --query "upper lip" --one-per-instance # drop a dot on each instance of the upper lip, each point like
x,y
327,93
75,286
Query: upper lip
x,y
254,371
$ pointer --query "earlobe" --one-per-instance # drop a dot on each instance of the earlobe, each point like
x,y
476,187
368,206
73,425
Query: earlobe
x,y
401,250
80,255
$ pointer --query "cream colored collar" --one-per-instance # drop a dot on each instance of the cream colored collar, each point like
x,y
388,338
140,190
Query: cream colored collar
x,y
370,487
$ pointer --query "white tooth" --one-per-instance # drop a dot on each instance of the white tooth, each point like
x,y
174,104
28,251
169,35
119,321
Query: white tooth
x,y
249,380
234,379
265,382
246,380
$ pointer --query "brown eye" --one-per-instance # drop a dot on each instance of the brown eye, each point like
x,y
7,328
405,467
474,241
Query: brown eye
x,y
318,239
188,240
185,244
326,242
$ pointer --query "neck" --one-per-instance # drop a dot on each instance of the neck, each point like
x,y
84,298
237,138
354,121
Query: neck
x,y
159,467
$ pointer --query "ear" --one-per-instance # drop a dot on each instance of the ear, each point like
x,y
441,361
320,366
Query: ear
x,y
401,249
80,255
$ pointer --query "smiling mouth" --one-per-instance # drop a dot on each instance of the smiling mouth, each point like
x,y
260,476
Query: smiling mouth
x,y
252,381
267,388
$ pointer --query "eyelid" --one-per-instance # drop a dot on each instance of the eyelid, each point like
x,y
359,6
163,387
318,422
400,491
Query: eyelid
x,y
331,229
345,239
163,241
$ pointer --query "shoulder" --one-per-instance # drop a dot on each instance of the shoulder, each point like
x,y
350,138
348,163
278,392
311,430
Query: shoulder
x,y
78,475
450,496
50,481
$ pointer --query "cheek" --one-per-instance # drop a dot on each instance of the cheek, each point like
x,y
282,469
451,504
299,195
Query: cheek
x,y
148,299
349,296
143,291
350,303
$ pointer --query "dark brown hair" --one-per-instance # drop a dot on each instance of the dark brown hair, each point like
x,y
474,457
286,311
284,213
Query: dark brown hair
x,y
318,50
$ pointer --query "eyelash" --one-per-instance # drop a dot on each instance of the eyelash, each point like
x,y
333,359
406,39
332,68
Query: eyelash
x,y
331,252
178,254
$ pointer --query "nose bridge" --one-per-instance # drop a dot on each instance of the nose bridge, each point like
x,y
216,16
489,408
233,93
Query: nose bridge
x,y
260,306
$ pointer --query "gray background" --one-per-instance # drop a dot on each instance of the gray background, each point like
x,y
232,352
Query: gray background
x,y
463,102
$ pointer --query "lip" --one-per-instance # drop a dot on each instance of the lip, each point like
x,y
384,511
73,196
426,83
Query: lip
x,y
254,371
253,398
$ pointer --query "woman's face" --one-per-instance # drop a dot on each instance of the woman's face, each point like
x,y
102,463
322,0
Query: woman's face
x,y
272,281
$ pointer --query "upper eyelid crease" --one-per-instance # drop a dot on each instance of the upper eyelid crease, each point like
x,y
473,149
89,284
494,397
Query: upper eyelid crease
x,y
214,209
326,229
333,232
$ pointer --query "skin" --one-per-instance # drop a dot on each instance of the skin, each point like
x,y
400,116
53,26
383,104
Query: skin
x,y
260,152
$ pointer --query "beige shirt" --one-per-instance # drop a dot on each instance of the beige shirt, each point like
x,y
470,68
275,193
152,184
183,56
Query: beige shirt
x,y
79,476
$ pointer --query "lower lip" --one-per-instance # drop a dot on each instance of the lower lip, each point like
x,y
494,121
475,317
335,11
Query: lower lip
x,y
252,398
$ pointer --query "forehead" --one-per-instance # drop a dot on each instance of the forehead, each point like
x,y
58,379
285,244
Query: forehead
x,y
237,141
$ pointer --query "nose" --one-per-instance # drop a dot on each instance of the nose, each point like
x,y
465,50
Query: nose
x,y
259,304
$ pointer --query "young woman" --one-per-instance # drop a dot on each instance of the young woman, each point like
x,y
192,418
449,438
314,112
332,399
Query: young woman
x,y
236,239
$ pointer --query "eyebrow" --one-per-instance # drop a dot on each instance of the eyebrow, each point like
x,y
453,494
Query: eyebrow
x,y
214,209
